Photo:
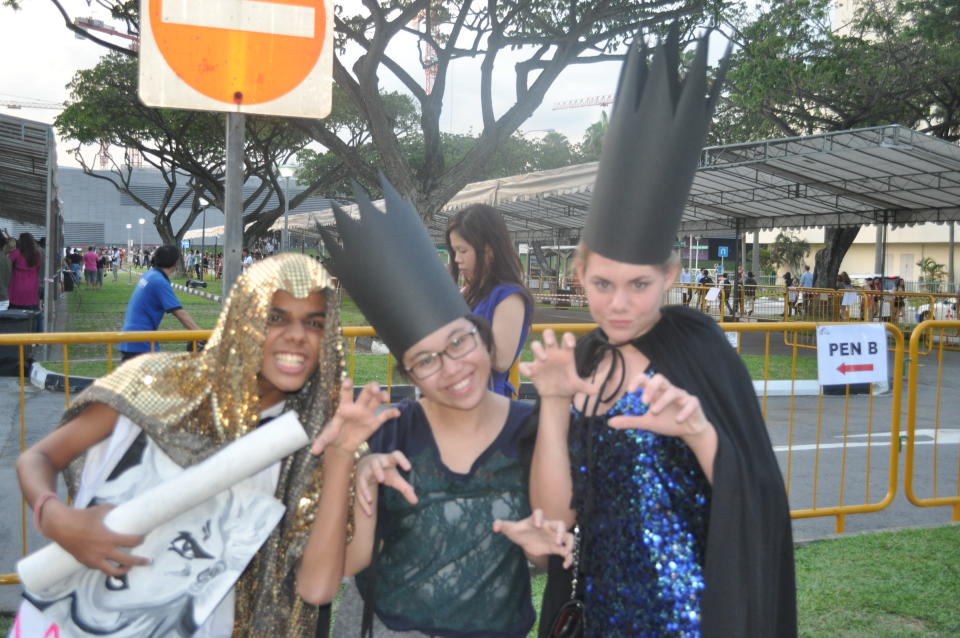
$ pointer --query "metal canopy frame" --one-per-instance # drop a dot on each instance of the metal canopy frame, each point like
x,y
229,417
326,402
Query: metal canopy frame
x,y
880,175
27,156
886,174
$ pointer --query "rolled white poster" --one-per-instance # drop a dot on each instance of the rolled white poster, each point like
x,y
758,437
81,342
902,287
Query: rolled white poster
x,y
244,457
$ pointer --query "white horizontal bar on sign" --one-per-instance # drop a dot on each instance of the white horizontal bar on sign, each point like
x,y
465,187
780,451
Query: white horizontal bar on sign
x,y
242,15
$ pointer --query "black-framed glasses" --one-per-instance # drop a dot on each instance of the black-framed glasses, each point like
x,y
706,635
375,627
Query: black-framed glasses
x,y
430,363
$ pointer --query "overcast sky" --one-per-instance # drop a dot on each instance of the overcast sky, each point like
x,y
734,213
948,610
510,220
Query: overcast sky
x,y
40,56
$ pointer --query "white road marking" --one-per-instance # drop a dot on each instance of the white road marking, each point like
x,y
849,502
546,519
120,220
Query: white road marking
x,y
945,436
242,15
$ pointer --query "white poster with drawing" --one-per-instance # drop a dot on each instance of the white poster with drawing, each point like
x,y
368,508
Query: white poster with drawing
x,y
196,559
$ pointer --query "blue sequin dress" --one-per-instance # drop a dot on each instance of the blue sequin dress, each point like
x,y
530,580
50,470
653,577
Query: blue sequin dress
x,y
643,504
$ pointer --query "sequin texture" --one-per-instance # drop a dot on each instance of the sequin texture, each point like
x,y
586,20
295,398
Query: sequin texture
x,y
643,504
194,404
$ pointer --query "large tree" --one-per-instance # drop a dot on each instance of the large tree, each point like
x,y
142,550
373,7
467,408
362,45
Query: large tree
x,y
796,73
547,35
184,146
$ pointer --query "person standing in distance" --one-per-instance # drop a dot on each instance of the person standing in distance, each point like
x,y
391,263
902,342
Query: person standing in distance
x,y
481,251
152,298
90,259
686,278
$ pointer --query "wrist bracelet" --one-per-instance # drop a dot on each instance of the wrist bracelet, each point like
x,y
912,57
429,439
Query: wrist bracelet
x,y
38,507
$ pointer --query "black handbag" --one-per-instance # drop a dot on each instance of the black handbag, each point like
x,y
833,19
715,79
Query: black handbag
x,y
570,620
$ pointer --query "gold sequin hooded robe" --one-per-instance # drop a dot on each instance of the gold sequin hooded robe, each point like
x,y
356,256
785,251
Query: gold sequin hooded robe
x,y
194,404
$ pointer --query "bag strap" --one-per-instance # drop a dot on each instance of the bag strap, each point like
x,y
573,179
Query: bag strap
x,y
576,562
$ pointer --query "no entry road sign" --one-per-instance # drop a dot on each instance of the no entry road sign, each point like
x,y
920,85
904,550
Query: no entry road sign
x,y
271,57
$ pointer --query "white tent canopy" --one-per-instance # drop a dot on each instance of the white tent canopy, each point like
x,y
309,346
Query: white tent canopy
x,y
886,175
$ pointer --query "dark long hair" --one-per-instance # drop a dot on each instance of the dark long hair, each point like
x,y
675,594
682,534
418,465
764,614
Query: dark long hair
x,y
28,248
482,227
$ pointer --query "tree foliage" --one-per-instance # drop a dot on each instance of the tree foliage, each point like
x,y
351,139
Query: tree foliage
x,y
549,35
184,146
796,73
932,271
788,251
428,165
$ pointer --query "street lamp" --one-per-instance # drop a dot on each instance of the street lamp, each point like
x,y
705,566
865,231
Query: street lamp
x,y
286,171
142,222
203,235
130,267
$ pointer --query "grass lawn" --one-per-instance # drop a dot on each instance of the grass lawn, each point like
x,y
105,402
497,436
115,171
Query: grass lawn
x,y
902,584
781,367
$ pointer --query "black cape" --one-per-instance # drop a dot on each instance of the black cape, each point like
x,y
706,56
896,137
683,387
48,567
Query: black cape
x,y
749,571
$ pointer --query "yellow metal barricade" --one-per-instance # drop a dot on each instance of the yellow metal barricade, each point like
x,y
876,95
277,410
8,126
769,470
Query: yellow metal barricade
x,y
932,462
789,420
828,428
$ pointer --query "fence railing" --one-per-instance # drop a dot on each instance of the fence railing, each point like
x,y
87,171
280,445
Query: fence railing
x,y
928,458
816,435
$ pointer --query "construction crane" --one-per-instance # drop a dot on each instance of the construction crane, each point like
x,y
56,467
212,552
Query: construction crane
x,y
428,57
596,100
131,155
98,25
30,104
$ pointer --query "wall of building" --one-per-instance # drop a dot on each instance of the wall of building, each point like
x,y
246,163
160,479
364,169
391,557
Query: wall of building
x,y
905,247
96,213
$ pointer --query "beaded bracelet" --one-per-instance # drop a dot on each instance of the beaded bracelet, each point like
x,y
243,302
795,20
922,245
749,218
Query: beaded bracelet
x,y
38,507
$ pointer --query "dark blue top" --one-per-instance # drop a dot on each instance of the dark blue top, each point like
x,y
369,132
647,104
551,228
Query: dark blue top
x,y
643,504
499,382
152,298
441,569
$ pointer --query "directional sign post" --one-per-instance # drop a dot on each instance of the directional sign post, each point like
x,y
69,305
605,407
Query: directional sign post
x,y
723,252
851,354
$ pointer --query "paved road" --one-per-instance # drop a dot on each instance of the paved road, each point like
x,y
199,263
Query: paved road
x,y
806,467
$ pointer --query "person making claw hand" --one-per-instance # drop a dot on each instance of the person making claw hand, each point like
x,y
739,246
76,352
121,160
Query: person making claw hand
x,y
442,547
650,437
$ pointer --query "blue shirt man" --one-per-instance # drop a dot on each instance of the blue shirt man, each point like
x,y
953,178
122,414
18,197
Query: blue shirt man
x,y
806,279
151,300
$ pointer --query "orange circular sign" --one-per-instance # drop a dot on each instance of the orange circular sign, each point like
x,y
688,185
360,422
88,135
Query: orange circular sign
x,y
228,56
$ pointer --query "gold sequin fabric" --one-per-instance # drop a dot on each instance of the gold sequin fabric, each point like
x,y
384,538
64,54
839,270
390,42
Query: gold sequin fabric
x,y
194,404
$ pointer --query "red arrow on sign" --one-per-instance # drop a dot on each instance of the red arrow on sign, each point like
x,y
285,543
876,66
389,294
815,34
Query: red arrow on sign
x,y
860,367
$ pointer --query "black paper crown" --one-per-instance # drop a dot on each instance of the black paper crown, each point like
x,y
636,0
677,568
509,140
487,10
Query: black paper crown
x,y
390,269
650,153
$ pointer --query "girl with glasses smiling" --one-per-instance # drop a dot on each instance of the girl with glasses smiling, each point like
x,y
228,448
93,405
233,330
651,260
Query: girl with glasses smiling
x,y
433,550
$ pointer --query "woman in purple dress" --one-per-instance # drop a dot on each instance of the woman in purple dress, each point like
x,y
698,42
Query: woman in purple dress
x,y
481,251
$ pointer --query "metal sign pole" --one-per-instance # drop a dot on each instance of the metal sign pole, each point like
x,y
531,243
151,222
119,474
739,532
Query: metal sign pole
x,y
233,202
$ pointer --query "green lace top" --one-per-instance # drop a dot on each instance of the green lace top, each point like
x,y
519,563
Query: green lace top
x,y
441,570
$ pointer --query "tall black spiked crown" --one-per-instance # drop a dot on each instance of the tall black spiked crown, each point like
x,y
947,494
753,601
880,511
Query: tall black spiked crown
x,y
390,268
650,153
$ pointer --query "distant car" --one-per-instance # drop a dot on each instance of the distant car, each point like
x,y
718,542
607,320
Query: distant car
x,y
942,310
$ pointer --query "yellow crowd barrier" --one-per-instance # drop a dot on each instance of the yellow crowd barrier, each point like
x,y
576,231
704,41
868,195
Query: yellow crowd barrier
x,y
828,432
940,433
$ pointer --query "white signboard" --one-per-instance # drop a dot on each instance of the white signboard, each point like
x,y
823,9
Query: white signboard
x,y
850,299
733,338
851,353
272,57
